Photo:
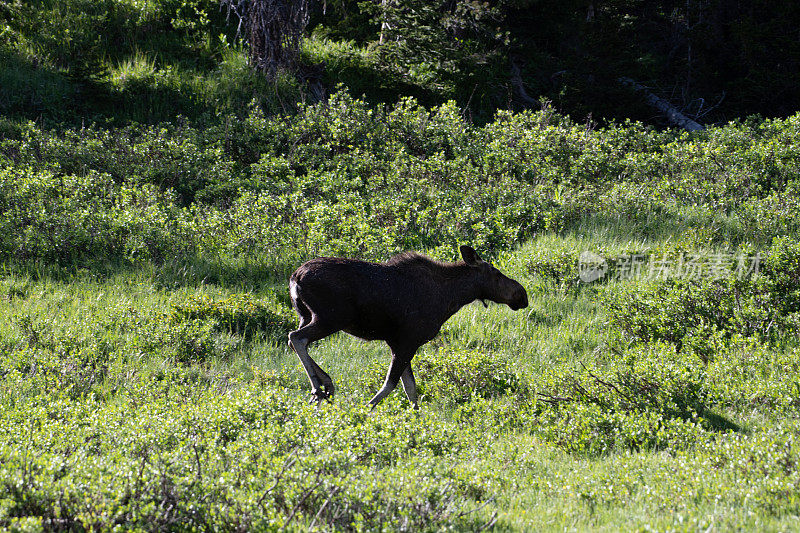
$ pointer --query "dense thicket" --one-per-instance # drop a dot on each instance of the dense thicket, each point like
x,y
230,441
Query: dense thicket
x,y
714,59
346,178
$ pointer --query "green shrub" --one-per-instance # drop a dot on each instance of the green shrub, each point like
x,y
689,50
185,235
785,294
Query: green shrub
x,y
75,219
453,377
49,357
571,268
241,314
255,459
588,429
781,271
648,398
346,178
651,378
746,375
702,313
457,376
194,341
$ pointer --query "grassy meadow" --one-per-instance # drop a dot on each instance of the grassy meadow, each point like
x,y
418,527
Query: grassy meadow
x,y
146,381
153,206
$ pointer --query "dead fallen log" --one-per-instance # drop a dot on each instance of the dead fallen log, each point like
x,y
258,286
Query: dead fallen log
x,y
675,117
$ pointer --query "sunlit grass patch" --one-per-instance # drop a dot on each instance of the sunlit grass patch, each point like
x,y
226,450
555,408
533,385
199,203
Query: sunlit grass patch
x,y
140,69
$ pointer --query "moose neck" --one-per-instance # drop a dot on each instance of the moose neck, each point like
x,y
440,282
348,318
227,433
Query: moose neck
x,y
460,287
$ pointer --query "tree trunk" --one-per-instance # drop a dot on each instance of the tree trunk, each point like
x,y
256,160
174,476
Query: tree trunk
x,y
273,30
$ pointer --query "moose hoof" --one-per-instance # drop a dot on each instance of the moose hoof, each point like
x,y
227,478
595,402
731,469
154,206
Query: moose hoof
x,y
317,395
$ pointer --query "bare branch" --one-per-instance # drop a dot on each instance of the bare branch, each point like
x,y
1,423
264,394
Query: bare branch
x,y
333,493
490,523
317,483
549,398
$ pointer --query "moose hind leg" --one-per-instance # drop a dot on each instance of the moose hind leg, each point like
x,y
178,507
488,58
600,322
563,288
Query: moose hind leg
x,y
321,383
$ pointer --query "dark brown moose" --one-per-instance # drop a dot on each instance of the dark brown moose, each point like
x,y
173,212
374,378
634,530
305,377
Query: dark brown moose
x,y
403,301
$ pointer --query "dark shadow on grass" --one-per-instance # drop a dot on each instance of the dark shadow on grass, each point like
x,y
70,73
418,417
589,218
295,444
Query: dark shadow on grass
x,y
246,275
141,103
31,91
376,86
721,424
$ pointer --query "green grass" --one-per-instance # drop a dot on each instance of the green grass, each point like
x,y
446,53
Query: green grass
x,y
144,313
107,346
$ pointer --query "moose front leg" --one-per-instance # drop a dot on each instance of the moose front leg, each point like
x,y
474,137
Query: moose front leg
x,y
401,360
327,382
410,386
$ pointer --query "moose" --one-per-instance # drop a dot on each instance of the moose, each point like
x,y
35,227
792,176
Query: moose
x,y
403,301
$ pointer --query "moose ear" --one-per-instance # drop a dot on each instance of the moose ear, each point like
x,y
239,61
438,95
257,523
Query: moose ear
x,y
470,255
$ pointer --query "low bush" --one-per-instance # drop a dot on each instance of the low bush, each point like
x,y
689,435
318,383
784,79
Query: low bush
x,y
572,268
726,471
82,219
346,178
746,375
194,341
701,312
47,357
453,376
241,314
647,398
458,376
256,460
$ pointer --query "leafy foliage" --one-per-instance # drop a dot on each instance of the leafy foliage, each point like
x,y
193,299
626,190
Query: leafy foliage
x,y
700,314
242,314
647,399
147,464
455,377
346,178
